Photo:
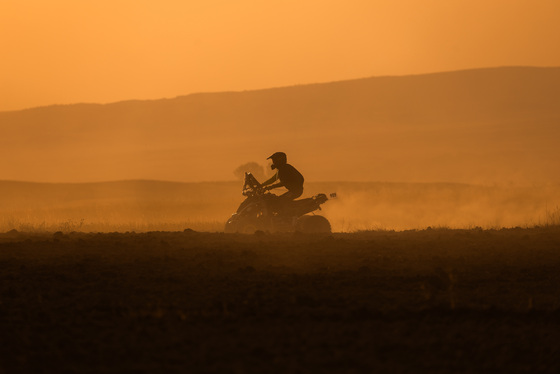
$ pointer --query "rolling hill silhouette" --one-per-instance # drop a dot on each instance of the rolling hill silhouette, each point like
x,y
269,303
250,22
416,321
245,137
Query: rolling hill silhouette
x,y
497,125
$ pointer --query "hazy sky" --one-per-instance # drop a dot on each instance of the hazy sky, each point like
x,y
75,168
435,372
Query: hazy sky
x,y
68,51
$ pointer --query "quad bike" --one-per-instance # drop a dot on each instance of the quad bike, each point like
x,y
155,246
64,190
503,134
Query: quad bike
x,y
261,211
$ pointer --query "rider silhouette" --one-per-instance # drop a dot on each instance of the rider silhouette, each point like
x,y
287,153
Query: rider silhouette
x,y
287,176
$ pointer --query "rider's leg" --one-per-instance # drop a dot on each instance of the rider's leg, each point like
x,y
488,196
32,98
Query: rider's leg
x,y
287,197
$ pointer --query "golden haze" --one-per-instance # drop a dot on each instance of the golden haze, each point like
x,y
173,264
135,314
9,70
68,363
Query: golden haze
x,y
488,126
66,51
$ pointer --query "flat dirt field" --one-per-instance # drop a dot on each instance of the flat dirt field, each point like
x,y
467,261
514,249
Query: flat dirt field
x,y
433,301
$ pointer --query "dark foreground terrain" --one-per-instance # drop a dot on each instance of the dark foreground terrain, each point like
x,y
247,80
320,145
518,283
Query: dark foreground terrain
x,y
478,301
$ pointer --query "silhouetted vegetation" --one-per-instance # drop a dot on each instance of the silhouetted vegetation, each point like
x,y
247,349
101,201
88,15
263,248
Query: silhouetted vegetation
x,y
252,167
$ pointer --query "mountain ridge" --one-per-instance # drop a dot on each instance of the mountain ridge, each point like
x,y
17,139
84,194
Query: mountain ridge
x,y
140,101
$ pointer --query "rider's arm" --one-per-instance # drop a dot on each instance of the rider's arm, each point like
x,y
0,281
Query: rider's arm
x,y
271,180
277,185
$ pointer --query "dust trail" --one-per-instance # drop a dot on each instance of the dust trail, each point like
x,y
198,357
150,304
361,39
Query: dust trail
x,y
392,206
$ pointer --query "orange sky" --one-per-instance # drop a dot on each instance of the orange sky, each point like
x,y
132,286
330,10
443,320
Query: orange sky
x,y
68,51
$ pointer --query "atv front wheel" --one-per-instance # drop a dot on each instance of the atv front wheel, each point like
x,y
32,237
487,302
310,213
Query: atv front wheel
x,y
313,224
243,225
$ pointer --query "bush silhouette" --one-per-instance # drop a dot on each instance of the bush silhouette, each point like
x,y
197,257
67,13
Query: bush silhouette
x,y
254,168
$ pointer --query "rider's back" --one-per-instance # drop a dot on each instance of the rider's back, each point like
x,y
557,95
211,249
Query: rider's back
x,y
290,177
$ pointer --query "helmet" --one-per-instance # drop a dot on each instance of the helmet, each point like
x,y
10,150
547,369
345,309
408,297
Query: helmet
x,y
278,159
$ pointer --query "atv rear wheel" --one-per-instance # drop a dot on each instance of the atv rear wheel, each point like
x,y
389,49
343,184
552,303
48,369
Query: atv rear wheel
x,y
313,224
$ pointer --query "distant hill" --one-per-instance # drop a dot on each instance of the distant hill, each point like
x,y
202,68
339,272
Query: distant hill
x,y
486,125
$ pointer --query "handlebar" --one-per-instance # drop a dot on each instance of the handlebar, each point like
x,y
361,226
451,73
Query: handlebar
x,y
251,186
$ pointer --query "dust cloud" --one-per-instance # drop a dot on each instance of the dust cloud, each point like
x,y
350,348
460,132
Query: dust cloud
x,y
400,206
167,206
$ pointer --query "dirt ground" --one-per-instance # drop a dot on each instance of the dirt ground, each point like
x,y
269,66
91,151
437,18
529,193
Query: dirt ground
x,y
430,301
